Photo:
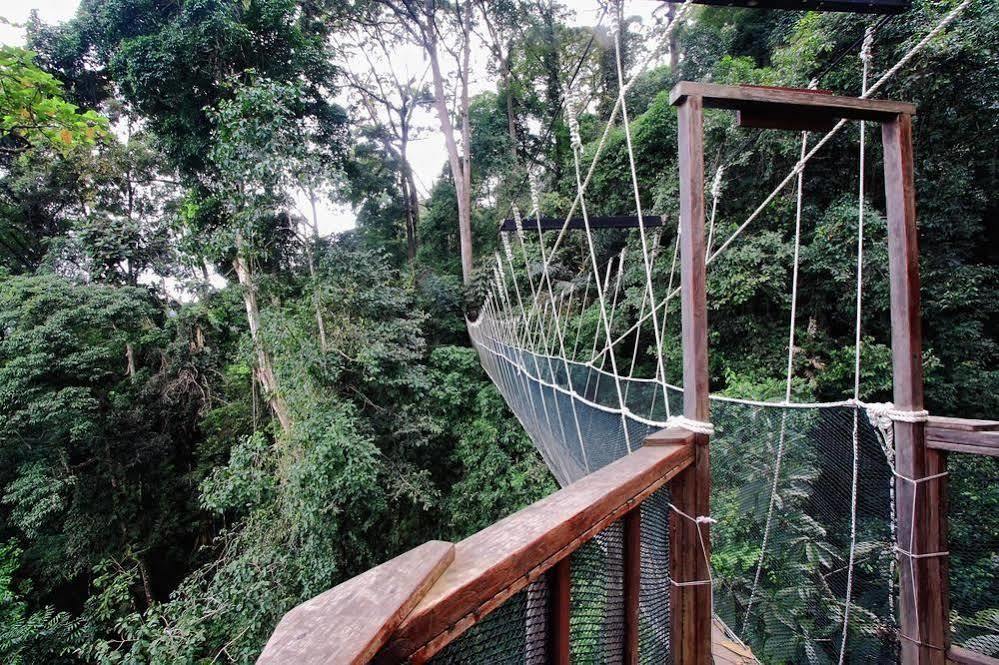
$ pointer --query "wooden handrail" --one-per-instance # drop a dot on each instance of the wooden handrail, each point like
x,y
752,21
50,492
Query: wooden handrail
x,y
967,657
410,607
499,561
351,622
963,435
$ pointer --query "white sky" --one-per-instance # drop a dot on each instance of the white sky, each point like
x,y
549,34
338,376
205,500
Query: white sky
x,y
427,154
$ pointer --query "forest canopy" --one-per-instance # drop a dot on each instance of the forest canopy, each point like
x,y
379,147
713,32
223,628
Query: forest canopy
x,y
211,409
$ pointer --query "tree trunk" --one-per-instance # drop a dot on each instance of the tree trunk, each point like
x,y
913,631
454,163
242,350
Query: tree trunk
x,y
410,203
454,157
553,90
312,273
265,369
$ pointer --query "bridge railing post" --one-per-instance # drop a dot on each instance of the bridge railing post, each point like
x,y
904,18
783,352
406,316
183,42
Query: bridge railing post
x,y
690,540
921,490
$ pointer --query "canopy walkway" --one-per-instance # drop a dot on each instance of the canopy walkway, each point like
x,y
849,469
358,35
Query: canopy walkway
x,y
841,508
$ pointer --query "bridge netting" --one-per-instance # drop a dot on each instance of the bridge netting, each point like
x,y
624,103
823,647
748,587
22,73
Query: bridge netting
x,y
804,565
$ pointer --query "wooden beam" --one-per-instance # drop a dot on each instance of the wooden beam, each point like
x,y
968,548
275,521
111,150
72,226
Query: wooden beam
x,y
560,581
577,223
497,562
784,102
690,542
853,6
968,657
963,435
632,583
921,528
349,623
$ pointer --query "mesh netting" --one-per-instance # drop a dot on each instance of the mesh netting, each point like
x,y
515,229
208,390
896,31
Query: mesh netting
x,y
653,607
973,540
515,633
596,610
788,604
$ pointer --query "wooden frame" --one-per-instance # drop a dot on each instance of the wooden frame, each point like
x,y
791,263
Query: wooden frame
x,y
921,503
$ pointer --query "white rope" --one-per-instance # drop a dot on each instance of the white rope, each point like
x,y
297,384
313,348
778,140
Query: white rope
x,y
641,220
888,410
691,425
788,376
698,521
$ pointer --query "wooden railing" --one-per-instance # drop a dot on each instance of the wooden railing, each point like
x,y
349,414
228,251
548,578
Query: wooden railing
x,y
411,607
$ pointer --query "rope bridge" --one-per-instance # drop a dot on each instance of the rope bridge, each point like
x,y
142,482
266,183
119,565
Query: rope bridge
x,y
805,494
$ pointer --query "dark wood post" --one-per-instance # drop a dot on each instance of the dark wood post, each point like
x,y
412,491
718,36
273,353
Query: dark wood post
x,y
632,583
921,525
690,605
560,583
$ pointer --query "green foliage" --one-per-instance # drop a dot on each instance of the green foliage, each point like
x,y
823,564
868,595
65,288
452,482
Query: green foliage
x,y
34,111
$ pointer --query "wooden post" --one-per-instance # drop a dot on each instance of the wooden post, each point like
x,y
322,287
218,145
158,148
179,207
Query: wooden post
x,y
690,605
560,583
632,583
923,581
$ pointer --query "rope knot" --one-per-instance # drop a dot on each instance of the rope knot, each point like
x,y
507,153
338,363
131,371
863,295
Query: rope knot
x,y
518,222
691,425
532,179
716,185
866,49
887,410
506,246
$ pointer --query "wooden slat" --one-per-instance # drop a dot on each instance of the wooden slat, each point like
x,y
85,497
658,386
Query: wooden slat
x,y
921,518
963,435
561,588
350,622
968,657
726,651
961,424
577,223
632,583
690,606
785,102
502,559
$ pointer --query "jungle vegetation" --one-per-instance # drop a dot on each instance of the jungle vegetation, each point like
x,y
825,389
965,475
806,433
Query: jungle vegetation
x,y
210,411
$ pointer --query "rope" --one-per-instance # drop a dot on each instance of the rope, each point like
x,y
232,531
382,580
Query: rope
x,y
691,425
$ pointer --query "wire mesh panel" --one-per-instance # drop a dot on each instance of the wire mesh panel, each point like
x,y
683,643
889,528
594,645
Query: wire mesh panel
x,y
973,541
596,610
513,634
804,533
653,608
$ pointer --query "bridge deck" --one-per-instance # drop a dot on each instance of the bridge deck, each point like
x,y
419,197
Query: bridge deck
x,y
727,651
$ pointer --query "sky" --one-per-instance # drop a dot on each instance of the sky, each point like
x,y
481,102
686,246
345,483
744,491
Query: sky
x,y
427,154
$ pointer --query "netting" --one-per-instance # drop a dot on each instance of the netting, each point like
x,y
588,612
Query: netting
x,y
517,631
796,612
973,540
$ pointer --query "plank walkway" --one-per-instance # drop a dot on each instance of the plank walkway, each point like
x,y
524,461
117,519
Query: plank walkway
x,y
727,651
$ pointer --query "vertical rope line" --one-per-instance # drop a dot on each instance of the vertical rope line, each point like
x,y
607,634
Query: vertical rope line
x,y
865,57
582,311
622,89
600,294
788,376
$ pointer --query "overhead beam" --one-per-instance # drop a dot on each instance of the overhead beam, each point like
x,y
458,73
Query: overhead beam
x,y
788,102
854,6
577,223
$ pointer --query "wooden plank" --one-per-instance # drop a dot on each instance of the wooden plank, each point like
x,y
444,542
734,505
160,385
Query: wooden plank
x,y
632,583
799,120
769,100
560,579
967,657
961,424
976,442
726,651
853,6
577,223
690,542
351,622
921,508
493,564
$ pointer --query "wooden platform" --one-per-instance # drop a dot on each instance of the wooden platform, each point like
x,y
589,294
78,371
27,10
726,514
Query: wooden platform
x,y
726,651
